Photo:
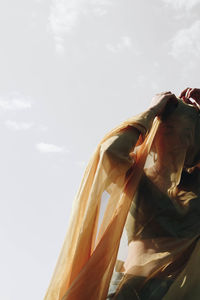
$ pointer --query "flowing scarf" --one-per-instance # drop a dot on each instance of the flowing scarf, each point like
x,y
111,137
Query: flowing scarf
x,y
88,255
87,258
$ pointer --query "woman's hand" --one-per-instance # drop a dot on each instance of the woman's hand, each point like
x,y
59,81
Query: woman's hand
x,y
162,102
193,94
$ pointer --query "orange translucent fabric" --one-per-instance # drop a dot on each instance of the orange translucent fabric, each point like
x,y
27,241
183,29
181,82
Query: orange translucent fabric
x,y
88,256
86,262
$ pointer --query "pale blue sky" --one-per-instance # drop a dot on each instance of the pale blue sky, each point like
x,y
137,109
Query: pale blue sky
x,y
71,70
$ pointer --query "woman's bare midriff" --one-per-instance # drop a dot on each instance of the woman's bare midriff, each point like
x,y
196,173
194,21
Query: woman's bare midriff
x,y
134,263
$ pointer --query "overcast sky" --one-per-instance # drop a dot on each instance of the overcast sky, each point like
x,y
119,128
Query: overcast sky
x,y
71,70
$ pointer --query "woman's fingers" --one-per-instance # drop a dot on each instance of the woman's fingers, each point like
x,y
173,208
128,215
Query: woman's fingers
x,y
188,93
192,97
186,100
195,94
183,93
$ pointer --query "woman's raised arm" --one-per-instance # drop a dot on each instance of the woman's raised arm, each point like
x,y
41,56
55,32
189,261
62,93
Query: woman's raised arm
x,y
120,146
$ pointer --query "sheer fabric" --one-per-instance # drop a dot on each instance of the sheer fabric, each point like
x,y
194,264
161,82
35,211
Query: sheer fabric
x,y
86,262
88,257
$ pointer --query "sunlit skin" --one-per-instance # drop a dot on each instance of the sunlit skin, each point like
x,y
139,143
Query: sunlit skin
x,y
171,143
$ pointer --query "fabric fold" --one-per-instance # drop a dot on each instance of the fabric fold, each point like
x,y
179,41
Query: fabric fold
x,y
85,257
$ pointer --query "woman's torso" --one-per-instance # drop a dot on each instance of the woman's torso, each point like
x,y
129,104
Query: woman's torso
x,y
156,226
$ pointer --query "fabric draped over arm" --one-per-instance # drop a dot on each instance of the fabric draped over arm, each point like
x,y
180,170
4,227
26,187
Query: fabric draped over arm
x,y
88,256
86,261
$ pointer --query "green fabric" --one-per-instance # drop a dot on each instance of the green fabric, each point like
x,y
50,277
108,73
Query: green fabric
x,y
154,215
137,288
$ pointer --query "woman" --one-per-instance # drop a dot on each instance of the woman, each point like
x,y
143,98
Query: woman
x,y
162,203
163,224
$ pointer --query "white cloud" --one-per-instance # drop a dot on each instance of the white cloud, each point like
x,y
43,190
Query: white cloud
x,y
125,43
16,126
49,148
15,103
182,4
65,15
186,43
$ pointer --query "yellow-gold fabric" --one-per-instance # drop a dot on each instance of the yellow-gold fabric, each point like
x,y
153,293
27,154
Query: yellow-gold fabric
x,y
88,256
86,262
